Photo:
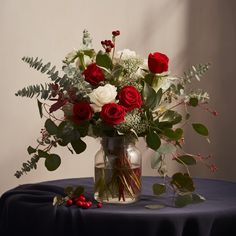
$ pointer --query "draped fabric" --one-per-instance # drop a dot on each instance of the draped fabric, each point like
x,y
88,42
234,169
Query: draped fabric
x,y
28,210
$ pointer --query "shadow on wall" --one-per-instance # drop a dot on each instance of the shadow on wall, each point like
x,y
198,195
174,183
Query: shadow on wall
x,y
212,38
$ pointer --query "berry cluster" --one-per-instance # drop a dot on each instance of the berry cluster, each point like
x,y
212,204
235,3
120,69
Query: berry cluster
x,y
116,33
81,202
109,44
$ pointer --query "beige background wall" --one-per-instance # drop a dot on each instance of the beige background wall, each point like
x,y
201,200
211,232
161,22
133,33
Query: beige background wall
x,y
187,31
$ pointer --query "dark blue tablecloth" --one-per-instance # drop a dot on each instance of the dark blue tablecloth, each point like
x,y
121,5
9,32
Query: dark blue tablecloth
x,y
27,210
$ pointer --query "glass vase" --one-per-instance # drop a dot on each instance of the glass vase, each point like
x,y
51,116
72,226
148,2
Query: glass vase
x,y
117,171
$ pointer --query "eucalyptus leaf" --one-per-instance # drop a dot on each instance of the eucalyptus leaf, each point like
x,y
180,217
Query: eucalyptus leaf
x,y
42,153
183,182
171,116
153,140
186,159
155,206
79,146
78,190
155,160
183,200
173,134
52,162
200,129
197,198
40,108
50,127
193,101
31,150
166,148
158,189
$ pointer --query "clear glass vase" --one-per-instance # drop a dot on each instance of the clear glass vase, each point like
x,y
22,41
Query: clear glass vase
x,y
117,171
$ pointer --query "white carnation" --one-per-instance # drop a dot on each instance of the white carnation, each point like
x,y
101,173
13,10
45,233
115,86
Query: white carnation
x,y
102,95
126,54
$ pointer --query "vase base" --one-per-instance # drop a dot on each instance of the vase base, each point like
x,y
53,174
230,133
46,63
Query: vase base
x,y
116,200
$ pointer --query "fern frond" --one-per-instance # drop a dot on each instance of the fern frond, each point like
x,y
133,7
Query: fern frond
x,y
35,90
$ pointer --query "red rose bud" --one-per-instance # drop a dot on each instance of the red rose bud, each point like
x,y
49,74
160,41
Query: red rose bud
x,y
93,74
112,113
157,62
82,111
130,98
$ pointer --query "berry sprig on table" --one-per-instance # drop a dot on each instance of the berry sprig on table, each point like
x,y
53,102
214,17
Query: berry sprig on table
x,y
75,196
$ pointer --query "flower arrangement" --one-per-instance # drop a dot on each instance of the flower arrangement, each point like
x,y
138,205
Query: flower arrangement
x,y
109,93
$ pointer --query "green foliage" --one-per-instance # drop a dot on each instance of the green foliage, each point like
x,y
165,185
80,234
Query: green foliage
x,y
153,140
192,198
155,206
200,129
183,182
186,159
51,127
28,166
158,189
52,162
79,146
103,60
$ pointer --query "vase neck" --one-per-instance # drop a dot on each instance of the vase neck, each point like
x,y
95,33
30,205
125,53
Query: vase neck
x,y
114,145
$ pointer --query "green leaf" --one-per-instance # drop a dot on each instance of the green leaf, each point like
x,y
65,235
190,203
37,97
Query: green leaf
x,y
171,116
42,153
149,95
31,150
52,162
186,159
166,148
193,102
51,127
197,198
79,190
155,160
79,146
200,129
69,190
183,200
155,206
183,182
153,140
103,60
149,78
173,135
158,189
40,108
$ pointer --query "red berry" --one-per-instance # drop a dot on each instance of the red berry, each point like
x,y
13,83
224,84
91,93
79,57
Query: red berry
x,y
69,202
114,33
90,203
102,42
86,205
99,205
112,45
82,198
79,204
108,50
117,32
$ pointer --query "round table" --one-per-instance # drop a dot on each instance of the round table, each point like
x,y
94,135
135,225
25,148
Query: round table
x,y
28,210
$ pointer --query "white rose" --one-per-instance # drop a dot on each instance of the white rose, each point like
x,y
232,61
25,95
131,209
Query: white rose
x,y
102,95
126,54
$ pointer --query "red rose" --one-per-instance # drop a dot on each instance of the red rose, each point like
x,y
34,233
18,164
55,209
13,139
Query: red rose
x,y
130,98
157,62
112,113
82,111
93,74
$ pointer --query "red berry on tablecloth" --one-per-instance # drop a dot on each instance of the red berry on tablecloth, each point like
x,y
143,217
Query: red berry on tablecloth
x,y
99,205
69,202
79,203
82,198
